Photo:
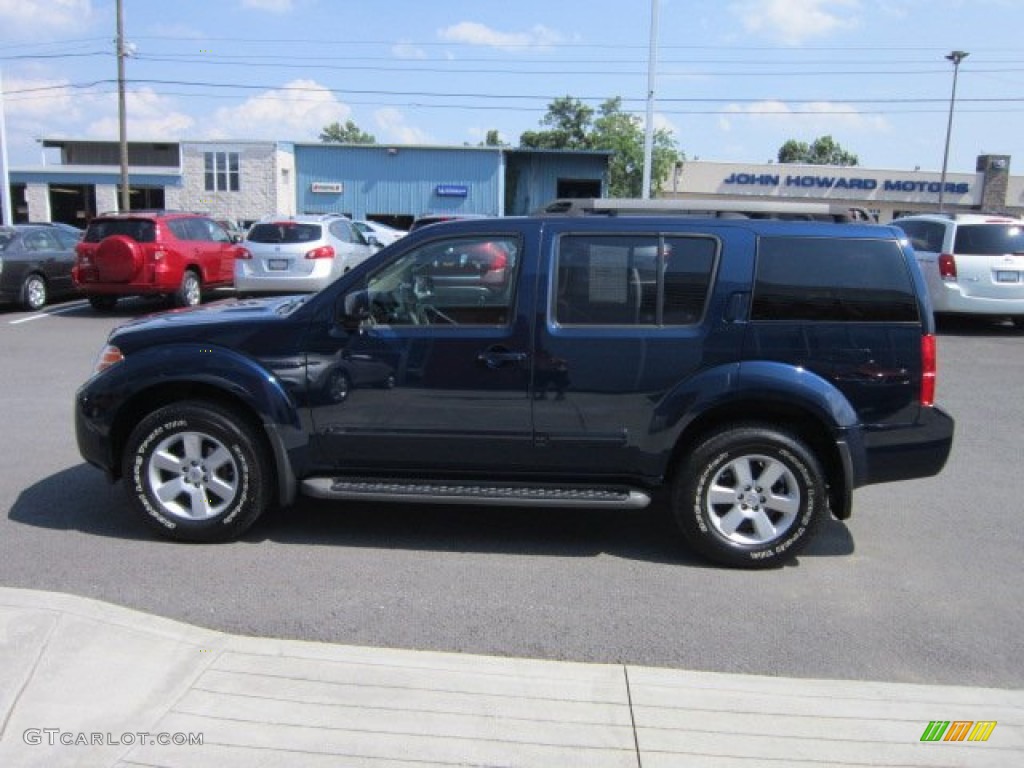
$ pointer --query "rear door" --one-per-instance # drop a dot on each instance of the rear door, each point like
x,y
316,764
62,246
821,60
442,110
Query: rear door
x,y
628,325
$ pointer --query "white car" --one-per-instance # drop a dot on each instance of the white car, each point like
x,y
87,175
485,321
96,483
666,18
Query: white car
x,y
973,263
385,235
299,254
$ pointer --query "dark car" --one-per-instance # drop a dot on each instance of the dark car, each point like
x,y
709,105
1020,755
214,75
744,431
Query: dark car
x,y
35,264
173,254
748,374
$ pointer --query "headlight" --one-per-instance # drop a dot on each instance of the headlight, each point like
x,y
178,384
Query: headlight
x,y
109,355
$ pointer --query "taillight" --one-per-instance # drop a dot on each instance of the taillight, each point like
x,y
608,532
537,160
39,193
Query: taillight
x,y
242,253
947,267
323,252
500,260
929,365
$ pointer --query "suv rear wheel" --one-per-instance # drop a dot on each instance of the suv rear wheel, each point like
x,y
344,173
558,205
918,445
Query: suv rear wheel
x,y
190,293
749,496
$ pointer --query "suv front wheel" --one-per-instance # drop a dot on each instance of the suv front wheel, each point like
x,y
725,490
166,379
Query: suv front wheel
x,y
749,496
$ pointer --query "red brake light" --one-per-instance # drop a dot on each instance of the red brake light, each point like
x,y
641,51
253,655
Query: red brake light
x,y
242,253
323,252
929,365
947,267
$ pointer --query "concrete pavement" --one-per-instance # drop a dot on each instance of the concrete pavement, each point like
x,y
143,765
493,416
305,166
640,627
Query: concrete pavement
x,y
86,683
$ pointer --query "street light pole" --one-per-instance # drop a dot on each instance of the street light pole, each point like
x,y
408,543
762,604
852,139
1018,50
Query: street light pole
x,y
956,57
652,66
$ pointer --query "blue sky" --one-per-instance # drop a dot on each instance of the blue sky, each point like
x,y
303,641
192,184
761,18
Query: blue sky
x,y
735,78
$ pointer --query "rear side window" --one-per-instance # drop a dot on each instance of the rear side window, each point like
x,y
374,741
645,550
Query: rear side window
x,y
284,232
633,280
924,235
989,239
139,230
833,279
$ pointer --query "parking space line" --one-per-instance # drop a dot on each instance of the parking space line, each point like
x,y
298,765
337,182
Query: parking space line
x,y
40,315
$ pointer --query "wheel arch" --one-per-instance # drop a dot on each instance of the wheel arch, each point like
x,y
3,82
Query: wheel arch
x,y
799,420
149,399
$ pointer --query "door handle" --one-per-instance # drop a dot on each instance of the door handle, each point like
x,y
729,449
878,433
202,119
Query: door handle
x,y
496,357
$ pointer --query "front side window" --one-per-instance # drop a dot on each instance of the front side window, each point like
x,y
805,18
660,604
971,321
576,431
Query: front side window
x,y
449,282
221,171
833,280
633,280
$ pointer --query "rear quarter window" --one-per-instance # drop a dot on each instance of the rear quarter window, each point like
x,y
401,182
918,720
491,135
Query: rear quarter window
x,y
833,280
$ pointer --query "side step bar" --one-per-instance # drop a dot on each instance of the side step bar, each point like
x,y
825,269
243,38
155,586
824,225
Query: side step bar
x,y
498,494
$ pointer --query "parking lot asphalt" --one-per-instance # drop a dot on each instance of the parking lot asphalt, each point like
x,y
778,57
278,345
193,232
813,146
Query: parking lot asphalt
x,y
86,683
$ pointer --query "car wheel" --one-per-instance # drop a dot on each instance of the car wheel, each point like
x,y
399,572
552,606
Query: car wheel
x,y
749,496
33,293
103,303
197,472
338,387
190,294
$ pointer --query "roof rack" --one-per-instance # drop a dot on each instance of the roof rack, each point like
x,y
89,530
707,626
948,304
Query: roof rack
x,y
725,209
151,212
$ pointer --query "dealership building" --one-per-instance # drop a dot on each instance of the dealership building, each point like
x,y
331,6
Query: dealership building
x,y
246,180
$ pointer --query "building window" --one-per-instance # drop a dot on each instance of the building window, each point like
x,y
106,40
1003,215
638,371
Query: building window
x,y
221,170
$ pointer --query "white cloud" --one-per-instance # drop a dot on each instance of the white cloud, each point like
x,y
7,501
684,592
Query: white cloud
x,y
37,99
795,21
395,128
472,33
810,117
33,17
406,50
273,6
298,111
149,115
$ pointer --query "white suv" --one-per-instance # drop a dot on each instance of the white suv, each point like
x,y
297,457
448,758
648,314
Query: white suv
x,y
299,254
973,263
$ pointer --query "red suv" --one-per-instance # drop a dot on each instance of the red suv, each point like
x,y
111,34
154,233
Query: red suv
x,y
146,253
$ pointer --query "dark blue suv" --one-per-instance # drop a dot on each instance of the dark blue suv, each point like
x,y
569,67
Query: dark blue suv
x,y
759,370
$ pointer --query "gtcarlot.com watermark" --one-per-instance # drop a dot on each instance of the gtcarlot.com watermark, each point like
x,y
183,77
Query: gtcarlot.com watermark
x,y
53,737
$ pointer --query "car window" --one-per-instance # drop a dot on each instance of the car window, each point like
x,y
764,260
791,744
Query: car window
x,y
139,230
284,232
832,279
989,239
630,280
41,241
180,228
67,240
924,235
454,281
342,230
6,238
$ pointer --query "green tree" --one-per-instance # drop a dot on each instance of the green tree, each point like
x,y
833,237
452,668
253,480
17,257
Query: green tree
x,y
574,126
349,133
493,139
822,151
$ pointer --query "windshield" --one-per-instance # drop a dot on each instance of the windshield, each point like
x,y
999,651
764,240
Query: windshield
x,y
989,239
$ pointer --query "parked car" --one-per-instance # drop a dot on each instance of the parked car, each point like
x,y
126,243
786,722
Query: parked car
x,y
35,264
70,229
299,254
758,371
153,253
385,235
973,263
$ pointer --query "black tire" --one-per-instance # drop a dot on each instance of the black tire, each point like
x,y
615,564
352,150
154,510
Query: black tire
x,y
190,292
103,303
34,294
338,387
212,458
727,516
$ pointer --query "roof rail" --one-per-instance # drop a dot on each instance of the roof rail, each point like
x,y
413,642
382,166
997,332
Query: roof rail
x,y
745,209
150,212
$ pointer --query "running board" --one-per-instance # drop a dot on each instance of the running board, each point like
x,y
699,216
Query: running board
x,y
498,494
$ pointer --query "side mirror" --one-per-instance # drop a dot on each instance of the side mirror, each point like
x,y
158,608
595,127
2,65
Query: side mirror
x,y
355,309
373,242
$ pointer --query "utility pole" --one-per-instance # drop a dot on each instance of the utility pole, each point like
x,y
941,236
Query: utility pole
x,y
652,65
122,113
5,192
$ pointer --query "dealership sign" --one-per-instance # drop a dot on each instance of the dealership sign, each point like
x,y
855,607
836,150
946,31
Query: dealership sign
x,y
810,181
324,187
451,190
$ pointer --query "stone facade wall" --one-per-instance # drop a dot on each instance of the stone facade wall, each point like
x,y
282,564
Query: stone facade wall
x,y
257,193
